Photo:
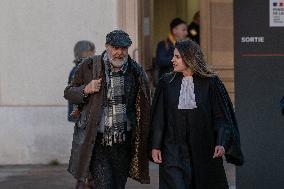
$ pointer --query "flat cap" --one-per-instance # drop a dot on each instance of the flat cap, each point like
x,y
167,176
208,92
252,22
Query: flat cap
x,y
118,38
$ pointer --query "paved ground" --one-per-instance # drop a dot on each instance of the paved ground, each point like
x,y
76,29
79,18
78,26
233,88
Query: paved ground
x,y
56,177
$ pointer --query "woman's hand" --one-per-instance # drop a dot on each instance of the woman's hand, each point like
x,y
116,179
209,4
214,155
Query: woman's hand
x,y
219,151
157,156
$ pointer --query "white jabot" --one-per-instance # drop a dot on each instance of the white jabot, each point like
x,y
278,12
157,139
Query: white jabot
x,y
187,96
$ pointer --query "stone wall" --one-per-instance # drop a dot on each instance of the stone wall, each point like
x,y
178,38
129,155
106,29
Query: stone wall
x,y
36,54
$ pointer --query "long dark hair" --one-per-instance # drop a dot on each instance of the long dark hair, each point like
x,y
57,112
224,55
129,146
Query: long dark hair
x,y
193,57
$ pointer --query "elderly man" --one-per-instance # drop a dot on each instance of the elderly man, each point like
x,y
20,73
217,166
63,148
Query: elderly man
x,y
110,138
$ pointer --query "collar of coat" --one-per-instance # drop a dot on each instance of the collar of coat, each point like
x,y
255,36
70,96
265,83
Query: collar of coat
x,y
135,68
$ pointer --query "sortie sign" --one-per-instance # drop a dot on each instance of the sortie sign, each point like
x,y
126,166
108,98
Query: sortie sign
x,y
259,88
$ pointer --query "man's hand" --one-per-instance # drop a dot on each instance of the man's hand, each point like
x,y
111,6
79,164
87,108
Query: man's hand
x,y
93,87
157,156
219,151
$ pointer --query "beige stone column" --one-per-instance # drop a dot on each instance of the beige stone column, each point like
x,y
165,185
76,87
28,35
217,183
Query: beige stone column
x,y
127,19
217,38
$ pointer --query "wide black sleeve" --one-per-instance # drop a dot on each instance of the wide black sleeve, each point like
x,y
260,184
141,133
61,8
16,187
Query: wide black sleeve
x,y
157,117
221,123
225,123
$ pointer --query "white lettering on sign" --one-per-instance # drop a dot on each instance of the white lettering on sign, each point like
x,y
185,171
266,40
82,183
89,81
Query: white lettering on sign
x,y
252,39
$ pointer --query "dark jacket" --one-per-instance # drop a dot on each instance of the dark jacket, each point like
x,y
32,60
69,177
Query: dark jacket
x,y
70,105
84,136
195,132
194,32
164,55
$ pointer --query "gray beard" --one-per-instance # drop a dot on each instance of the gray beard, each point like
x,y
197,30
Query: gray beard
x,y
117,63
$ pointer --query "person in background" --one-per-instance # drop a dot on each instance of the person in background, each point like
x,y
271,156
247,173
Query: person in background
x,y
82,50
165,48
194,28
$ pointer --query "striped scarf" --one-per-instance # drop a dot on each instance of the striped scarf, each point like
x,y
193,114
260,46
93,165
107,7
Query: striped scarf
x,y
115,118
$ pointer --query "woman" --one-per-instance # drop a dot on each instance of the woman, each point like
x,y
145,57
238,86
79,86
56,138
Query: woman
x,y
82,50
193,124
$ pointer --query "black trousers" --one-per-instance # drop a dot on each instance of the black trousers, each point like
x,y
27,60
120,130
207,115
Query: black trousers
x,y
110,164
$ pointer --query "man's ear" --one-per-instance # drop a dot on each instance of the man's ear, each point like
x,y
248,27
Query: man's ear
x,y
106,45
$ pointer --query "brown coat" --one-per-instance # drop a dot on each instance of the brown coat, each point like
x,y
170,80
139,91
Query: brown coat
x,y
84,138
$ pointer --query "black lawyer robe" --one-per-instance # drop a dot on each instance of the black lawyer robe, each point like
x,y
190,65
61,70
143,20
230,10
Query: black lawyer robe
x,y
192,133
